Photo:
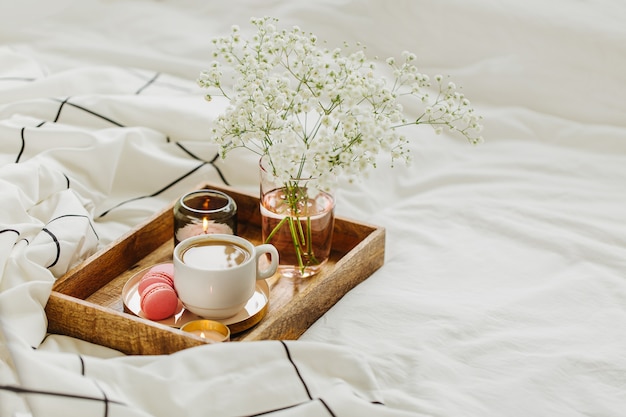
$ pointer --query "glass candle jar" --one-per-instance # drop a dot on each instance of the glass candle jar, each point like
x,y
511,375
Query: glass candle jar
x,y
204,212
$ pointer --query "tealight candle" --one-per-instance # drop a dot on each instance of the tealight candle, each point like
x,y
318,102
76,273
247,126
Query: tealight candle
x,y
209,334
204,212
210,330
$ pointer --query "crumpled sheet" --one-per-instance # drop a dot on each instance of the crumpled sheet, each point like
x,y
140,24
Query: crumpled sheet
x,y
502,291
57,210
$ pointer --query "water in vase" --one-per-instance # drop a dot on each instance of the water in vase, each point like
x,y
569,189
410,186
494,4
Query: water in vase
x,y
313,225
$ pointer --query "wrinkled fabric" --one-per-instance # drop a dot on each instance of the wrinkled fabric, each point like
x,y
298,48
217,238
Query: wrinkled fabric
x,y
502,291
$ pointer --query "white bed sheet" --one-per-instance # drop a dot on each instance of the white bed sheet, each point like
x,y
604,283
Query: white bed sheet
x,y
502,292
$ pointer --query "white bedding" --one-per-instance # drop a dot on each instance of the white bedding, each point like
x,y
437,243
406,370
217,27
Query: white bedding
x,y
502,292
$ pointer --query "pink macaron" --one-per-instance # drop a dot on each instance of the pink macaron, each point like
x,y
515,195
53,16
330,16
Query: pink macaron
x,y
166,268
158,301
163,273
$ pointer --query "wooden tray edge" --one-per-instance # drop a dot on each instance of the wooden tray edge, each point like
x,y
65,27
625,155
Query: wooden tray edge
x,y
77,318
73,316
302,309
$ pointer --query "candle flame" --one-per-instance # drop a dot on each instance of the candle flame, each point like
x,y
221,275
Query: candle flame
x,y
205,224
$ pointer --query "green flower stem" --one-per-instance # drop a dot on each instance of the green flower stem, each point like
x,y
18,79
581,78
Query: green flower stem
x,y
276,229
310,242
296,243
300,233
309,236
301,236
298,236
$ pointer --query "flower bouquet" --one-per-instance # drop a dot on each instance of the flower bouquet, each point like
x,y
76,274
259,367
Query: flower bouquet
x,y
314,114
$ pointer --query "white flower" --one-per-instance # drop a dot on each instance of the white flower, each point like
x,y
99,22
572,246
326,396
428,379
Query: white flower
x,y
318,112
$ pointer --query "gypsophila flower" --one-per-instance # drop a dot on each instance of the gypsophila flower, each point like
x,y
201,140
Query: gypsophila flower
x,y
321,112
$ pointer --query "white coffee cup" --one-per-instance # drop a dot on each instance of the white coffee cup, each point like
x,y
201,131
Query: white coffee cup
x,y
215,274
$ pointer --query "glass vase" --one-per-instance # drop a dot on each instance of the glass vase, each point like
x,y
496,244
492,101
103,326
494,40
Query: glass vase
x,y
298,220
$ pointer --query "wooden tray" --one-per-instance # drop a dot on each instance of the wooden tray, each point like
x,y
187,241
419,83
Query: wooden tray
x,y
86,303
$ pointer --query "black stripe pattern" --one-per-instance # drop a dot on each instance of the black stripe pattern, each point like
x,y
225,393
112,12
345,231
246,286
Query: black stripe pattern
x,y
88,388
341,402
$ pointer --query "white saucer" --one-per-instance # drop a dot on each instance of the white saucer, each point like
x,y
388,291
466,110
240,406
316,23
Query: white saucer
x,y
251,314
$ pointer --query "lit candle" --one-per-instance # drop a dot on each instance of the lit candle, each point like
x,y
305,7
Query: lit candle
x,y
204,212
207,227
213,335
210,330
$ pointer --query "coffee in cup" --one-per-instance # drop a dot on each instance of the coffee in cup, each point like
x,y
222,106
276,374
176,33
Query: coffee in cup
x,y
215,254
215,274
